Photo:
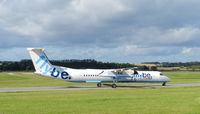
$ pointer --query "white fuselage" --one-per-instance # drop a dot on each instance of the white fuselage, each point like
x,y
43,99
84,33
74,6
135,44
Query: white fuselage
x,y
44,67
106,76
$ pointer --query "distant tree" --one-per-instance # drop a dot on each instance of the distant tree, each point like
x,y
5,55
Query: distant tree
x,y
143,68
151,63
153,68
1,66
27,65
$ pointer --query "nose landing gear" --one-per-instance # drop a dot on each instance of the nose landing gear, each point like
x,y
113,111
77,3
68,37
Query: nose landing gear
x,y
164,84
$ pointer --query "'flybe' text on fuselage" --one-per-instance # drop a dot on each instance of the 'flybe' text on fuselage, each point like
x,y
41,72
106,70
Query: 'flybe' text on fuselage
x,y
48,69
144,76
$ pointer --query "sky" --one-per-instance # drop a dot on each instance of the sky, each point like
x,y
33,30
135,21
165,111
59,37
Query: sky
x,y
132,31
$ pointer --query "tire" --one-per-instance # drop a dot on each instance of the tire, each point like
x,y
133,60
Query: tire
x,y
164,84
114,85
98,84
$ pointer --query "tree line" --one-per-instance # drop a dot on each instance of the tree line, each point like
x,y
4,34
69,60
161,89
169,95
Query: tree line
x,y
27,65
174,64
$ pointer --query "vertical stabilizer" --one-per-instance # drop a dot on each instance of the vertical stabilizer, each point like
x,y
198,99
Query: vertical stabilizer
x,y
40,61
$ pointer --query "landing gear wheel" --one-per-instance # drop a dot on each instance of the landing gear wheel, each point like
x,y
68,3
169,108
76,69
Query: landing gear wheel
x,y
114,85
164,84
98,84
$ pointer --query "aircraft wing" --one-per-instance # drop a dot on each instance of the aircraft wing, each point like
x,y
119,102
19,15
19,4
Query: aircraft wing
x,y
117,74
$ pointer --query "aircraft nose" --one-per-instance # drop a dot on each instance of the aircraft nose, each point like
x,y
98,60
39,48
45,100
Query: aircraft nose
x,y
167,79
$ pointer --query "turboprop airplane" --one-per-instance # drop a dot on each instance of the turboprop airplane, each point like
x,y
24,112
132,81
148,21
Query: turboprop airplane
x,y
45,68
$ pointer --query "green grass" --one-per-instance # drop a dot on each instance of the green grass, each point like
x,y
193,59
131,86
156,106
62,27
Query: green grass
x,y
32,80
19,79
181,100
183,77
104,101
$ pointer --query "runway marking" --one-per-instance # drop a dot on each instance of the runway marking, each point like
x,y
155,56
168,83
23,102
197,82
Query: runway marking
x,y
15,89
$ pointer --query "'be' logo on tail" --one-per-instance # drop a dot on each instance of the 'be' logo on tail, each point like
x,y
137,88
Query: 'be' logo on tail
x,y
48,68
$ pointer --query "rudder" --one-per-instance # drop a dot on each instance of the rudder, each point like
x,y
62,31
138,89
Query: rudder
x,y
40,60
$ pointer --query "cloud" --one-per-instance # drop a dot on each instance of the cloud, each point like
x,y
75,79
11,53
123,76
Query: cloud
x,y
108,30
186,50
153,36
75,15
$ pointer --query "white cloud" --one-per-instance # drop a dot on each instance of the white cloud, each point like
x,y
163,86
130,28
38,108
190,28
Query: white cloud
x,y
29,29
110,30
186,50
72,17
154,36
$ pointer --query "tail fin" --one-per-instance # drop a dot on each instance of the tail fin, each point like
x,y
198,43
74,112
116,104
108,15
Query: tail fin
x,y
40,61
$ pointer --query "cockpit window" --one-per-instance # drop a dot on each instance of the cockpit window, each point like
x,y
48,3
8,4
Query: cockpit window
x,y
161,74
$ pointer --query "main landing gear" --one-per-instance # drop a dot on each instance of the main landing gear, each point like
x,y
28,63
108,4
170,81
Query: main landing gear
x,y
98,84
114,85
114,81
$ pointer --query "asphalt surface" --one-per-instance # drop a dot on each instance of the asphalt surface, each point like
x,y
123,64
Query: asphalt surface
x,y
16,89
